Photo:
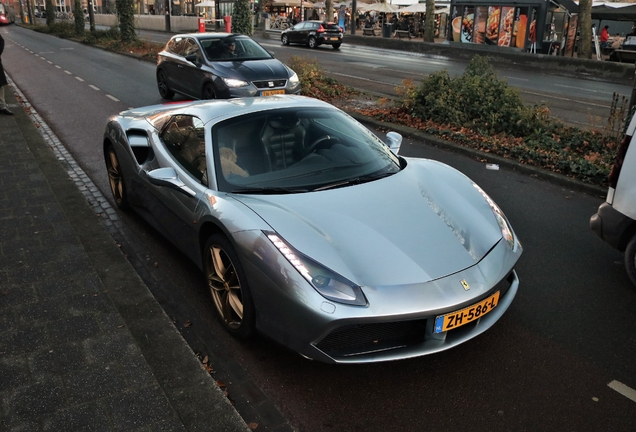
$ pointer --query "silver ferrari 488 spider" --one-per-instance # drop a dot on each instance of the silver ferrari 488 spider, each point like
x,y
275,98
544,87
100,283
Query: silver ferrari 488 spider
x,y
311,230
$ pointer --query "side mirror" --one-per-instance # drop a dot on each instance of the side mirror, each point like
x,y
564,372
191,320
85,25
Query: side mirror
x,y
192,58
394,141
167,177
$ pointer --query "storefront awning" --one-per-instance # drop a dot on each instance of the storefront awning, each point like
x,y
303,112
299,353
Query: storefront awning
x,y
612,11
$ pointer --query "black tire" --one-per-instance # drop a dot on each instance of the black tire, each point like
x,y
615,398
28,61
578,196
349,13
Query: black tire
x,y
630,259
162,85
284,39
228,287
313,43
336,46
208,92
116,178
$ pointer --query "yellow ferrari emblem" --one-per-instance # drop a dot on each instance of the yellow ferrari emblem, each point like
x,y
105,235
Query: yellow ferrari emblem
x,y
465,284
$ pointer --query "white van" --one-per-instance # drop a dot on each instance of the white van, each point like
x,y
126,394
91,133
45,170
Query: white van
x,y
615,221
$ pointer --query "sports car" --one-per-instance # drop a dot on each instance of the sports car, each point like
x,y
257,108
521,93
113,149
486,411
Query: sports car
x,y
310,229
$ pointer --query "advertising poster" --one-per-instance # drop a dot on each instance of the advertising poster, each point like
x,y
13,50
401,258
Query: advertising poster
x,y
481,15
456,23
492,26
519,28
505,26
468,24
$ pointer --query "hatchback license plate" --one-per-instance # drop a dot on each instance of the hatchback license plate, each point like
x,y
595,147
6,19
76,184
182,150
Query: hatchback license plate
x,y
457,319
272,92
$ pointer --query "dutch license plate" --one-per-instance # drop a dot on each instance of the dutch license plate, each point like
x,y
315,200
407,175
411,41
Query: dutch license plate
x,y
457,319
272,92
333,38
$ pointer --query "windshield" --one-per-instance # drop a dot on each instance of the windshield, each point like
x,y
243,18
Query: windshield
x,y
233,48
297,150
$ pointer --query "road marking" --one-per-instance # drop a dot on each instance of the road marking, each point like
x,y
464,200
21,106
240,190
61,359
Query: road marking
x,y
66,49
563,99
59,67
79,79
621,388
70,73
112,98
579,88
364,79
93,87
515,78
49,62
43,58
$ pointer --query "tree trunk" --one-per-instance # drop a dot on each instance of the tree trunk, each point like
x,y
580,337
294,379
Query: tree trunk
x,y
585,29
429,22
328,10
126,15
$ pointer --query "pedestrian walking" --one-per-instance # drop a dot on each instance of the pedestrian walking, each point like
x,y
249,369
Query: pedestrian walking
x,y
3,82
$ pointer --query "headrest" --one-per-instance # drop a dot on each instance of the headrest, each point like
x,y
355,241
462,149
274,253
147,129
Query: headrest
x,y
286,122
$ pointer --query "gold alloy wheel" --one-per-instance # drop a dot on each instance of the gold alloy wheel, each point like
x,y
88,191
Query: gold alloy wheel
x,y
115,178
225,287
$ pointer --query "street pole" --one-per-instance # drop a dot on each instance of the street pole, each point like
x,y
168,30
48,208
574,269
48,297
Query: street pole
x,y
354,12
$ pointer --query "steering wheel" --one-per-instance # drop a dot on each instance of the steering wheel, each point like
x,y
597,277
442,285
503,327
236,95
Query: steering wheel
x,y
326,142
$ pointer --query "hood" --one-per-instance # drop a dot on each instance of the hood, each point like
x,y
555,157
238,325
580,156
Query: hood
x,y
252,70
423,223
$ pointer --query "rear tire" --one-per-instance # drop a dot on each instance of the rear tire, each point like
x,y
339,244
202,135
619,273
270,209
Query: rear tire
x,y
162,85
312,42
630,259
116,178
336,46
285,39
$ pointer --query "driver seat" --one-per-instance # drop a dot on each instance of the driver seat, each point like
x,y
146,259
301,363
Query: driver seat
x,y
283,139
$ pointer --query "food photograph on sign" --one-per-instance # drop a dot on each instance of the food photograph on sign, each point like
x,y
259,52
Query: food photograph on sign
x,y
492,27
505,29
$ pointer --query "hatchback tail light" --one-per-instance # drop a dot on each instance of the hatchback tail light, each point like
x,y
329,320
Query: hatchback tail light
x,y
320,30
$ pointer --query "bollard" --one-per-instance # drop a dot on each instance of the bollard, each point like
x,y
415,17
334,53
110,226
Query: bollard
x,y
201,25
228,23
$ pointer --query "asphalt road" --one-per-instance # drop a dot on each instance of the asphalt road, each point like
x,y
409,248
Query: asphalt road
x,y
545,366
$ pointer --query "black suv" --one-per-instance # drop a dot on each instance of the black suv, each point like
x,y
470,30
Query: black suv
x,y
313,33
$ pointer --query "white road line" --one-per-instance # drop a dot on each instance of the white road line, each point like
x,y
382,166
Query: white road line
x,y
79,79
93,87
70,73
66,49
579,88
621,388
515,78
49,62
59,67
112,98
364,79
563,99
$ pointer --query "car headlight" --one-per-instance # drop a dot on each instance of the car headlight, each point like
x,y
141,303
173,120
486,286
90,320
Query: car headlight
x,y
232,82
294,78
328,284
506,229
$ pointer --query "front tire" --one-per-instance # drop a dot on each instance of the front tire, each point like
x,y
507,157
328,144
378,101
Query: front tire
x,y
313,43
208,92
630,259
285,39
116,178
228,286
162,85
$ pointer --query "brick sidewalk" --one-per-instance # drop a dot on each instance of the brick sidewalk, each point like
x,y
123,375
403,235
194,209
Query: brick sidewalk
x,y
83,343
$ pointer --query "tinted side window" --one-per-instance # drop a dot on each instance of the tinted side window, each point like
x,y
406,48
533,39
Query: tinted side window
x,y
184,138
176,45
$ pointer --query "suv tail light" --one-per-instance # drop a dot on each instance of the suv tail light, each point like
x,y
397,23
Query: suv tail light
x,y
321,29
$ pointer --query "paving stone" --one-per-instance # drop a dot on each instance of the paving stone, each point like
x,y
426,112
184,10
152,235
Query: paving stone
x,y
34,400
14,372
135,408
85,417
58,359
73,329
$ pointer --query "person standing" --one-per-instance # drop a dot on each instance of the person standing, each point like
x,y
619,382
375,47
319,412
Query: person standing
x,y
604,37
3,82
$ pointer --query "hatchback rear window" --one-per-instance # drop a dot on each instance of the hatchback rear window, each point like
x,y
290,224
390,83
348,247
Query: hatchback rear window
x,y
331,26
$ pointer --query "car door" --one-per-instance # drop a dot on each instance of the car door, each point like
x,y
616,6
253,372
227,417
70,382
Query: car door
x,y
175,203
172,61
190,72
296,35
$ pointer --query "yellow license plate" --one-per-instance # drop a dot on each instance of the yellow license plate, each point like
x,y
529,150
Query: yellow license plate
x,y
272,92
457,319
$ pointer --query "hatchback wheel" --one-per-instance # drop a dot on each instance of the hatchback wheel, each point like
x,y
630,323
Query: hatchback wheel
x,y
285,39
630,259
208,92
312,42
227,284
336,46
162,85
116,178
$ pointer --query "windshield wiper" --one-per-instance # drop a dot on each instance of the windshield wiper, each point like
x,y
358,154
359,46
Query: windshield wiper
x,y
354,181
268,190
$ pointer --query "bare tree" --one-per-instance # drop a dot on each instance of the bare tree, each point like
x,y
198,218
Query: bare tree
x,y
585,29
328,10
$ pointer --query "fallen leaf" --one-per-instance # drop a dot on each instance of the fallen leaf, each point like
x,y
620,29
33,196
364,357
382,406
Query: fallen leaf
x,y
205,360
252,426
187,323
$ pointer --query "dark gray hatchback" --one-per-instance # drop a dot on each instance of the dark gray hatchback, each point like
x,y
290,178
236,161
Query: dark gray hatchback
x,y
221,66
313,34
